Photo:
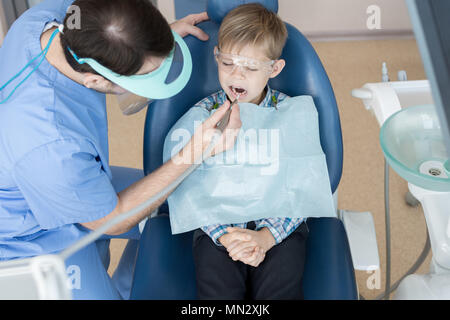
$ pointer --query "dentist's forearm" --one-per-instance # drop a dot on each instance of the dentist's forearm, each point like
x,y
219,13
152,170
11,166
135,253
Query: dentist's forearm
x,y
147,187
140,192
161,178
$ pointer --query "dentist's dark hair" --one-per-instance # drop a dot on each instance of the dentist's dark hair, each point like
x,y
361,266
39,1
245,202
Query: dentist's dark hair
x,y
119,34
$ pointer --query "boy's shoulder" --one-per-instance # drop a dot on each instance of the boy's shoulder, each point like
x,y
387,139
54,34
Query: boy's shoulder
x,y
280,96
274,97
212,101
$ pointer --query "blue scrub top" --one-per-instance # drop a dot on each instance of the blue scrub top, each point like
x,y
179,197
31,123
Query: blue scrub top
x,y
54,170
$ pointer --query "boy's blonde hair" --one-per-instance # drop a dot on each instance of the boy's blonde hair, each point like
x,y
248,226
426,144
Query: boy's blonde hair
x,y
253,24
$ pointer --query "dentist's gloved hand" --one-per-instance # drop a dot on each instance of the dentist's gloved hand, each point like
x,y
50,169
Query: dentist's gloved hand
x,y
187,26
204,134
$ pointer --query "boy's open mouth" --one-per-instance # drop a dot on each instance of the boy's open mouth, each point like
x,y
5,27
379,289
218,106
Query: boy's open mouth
x,y
238,90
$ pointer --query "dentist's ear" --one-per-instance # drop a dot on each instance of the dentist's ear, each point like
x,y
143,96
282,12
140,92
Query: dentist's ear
x,y
93,81
98,83
277,67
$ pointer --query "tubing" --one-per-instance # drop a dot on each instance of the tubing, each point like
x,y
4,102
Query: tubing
x,y
388,229
420,259
94,235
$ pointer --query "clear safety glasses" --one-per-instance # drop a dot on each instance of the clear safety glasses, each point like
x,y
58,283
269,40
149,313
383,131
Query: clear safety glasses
x,y
229,62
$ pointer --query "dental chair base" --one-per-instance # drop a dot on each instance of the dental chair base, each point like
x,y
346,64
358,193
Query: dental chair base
x,y
424,287
436,284
385,99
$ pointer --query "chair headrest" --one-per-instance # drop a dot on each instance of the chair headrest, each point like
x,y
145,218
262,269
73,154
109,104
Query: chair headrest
x,y
218,9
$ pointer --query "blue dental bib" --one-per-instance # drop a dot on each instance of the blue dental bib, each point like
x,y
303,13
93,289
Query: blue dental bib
x,y
276,169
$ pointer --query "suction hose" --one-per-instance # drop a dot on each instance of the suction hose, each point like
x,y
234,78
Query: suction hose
x,y
426,249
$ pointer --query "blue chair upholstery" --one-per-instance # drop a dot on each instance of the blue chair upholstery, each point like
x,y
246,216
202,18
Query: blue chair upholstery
x,y
164,268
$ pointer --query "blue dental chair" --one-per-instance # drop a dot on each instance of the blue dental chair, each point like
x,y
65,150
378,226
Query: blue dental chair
x,y
165,266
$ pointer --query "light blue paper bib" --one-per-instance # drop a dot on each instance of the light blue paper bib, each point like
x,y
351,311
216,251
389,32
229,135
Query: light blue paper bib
x,y
276,169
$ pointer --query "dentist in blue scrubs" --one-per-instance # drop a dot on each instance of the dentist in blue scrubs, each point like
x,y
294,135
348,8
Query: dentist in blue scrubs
x,y
56,64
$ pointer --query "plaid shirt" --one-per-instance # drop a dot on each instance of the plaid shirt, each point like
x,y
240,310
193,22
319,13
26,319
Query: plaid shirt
x,y
279,227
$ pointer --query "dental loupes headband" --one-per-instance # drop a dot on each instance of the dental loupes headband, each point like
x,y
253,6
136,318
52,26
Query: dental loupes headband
x,y
152,85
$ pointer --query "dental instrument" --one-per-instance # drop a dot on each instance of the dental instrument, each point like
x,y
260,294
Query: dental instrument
x,y
226,117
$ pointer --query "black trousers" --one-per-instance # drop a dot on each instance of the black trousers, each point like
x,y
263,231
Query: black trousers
x,y
278,277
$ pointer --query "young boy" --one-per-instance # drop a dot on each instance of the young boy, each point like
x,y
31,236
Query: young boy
x,y
261,259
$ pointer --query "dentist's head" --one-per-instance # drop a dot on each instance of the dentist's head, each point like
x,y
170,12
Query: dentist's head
x,y
128,37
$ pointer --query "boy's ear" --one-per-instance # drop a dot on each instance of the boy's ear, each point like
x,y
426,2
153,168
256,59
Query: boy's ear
x,y
277,67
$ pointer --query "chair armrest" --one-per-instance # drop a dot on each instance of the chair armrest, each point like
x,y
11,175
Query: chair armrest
x,y
362,239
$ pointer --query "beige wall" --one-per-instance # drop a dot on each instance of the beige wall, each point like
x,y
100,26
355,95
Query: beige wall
x,y
346,18
2,24
335,19
325,19
167,8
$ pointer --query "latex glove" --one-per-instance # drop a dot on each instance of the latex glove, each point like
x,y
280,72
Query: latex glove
x,y
204,134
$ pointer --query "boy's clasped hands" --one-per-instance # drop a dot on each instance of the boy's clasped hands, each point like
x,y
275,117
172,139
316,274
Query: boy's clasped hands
x,y
247,246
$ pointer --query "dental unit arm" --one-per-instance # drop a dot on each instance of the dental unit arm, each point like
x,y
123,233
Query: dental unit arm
x,y
390,99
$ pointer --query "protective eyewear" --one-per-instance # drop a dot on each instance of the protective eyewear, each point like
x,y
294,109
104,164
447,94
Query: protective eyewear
x,y
166,81
229,62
